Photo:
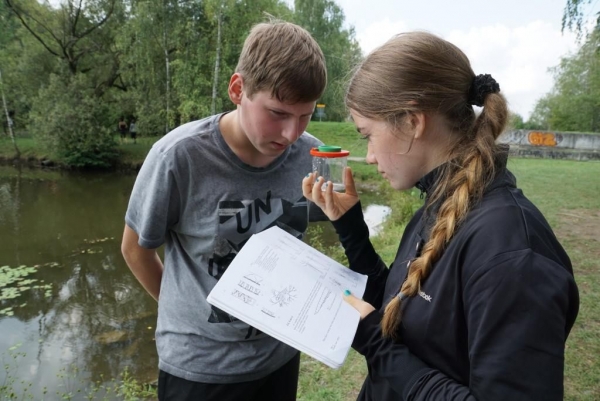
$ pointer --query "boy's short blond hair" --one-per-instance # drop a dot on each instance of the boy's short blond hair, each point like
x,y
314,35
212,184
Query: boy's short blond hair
x,y
285,60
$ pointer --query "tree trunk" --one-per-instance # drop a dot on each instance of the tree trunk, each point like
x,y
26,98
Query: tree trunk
x,y
168,75
213,106
8,119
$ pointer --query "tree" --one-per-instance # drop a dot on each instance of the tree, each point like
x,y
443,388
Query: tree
x,y
219,16
9,121
516,122
25,66
163,62
574,102
324,19
574,18
64,32
72,122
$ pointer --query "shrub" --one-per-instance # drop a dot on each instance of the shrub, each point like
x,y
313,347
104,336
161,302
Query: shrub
x,y
73,123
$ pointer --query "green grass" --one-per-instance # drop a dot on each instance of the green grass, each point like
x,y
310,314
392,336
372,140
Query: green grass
x,y
134,153
27,146
555,185
339,134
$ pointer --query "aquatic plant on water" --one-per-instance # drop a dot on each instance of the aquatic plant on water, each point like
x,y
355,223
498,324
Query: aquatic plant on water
x,y
14,281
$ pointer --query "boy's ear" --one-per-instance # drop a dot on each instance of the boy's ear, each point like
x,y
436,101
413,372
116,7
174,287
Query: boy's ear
x,y
235,89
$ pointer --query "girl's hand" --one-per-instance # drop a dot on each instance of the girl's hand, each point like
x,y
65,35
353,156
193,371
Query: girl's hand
x,y
364,308
334,204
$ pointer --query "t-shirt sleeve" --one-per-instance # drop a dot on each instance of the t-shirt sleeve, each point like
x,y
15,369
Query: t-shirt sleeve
x,y
155,202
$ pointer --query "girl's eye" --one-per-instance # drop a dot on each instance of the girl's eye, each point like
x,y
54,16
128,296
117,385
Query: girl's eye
x,y
365,137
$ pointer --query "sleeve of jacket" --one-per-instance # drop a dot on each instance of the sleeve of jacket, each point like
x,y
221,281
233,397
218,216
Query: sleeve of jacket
x,y
353,233
315,213
404,372
517,309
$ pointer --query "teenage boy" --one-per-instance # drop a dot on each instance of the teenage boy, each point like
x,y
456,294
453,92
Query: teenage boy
x,y
203,190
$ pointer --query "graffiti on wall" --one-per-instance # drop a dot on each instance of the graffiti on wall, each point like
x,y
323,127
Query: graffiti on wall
x,y
537,138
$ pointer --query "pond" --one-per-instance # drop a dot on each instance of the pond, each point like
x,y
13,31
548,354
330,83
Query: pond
x,y
74,316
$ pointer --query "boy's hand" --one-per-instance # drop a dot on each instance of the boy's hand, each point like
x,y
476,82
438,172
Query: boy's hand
x,y
334,204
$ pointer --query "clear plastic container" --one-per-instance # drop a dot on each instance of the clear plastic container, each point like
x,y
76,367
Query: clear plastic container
x,y
329,162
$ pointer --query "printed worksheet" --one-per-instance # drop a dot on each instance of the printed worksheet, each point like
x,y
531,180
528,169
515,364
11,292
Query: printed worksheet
x,y
291,291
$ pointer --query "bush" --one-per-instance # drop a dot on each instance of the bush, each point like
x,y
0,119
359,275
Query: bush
x,y
73,123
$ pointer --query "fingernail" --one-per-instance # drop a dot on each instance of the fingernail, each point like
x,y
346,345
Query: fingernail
x,y
347,292
307,175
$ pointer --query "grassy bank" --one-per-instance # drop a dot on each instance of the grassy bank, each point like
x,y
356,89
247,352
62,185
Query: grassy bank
x,y
131,155
30,150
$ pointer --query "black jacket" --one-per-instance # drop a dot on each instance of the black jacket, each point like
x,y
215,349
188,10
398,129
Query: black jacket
x,y
492,318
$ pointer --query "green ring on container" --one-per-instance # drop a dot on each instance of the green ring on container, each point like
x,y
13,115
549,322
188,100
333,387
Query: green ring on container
x,y
329,148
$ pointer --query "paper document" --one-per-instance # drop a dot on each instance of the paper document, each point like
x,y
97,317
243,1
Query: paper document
x,y
292,292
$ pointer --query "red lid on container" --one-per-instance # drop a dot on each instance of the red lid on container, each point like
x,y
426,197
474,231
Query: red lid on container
x,y
337,153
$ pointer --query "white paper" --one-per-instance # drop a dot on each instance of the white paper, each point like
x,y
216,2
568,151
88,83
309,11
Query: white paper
x,y
289,290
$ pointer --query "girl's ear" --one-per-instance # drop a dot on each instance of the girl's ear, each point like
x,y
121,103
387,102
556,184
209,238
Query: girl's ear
x,y
418,122
235,89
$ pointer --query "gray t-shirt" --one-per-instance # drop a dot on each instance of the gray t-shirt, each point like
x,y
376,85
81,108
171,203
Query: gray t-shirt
x,y
198,198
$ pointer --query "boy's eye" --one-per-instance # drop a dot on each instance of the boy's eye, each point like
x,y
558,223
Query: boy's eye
x,y
277,113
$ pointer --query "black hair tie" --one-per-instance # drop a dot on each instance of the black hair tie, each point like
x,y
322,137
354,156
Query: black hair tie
x,y
482,85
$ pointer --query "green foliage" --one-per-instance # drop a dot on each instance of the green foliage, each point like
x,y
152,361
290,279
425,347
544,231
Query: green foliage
x,y
24,64
516,122
73,123
573,16
316,240
149,60
574,102
324,19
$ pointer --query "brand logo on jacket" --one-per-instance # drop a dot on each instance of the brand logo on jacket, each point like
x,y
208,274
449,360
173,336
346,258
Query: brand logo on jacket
x,y
425,296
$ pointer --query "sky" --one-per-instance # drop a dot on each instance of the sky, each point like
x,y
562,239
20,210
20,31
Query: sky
x,y
516,41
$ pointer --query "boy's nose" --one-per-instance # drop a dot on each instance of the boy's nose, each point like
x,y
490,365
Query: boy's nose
x,y
292,130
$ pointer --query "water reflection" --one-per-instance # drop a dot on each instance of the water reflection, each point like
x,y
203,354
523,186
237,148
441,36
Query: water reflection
x,y
69,227
95,319
375,215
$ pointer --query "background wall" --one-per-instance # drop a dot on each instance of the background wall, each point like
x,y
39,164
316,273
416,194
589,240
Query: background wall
x,y
554,145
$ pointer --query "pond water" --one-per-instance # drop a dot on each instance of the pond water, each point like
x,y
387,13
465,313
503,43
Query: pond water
x,y
79,316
